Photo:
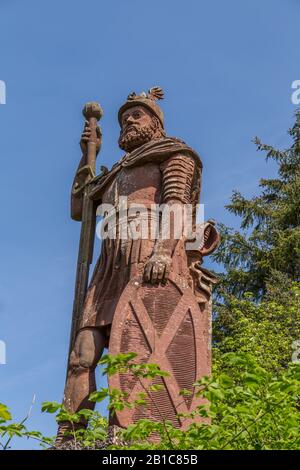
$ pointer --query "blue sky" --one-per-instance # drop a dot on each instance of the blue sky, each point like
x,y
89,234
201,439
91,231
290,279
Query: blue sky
x,y
226,68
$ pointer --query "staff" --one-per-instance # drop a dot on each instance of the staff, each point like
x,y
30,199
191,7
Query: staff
x,y
92,113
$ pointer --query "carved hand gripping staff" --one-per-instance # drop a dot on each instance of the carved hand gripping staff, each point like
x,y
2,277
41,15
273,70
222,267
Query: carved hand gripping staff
x,y
92,113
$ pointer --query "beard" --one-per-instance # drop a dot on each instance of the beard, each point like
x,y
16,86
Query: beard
x,y
137,136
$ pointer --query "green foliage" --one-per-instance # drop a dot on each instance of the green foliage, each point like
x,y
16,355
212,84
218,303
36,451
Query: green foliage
x,y
249,409
266,330
244,407
9,430
268,246
257,306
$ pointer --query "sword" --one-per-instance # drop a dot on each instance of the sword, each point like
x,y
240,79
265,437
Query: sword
x,y
92,113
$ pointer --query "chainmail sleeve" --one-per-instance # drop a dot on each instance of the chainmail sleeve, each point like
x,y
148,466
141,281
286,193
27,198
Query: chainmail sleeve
x,y
178,179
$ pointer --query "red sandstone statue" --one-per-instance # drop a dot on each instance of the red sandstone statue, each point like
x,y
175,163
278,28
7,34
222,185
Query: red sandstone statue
x,y
147,295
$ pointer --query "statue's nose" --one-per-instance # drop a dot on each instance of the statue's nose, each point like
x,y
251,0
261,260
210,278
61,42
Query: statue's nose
x,y
130,120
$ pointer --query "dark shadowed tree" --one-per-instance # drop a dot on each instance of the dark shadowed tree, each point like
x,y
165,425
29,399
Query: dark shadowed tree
x,y
265,255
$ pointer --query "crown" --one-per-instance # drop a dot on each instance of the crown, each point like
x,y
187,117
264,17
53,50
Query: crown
x,y
148,100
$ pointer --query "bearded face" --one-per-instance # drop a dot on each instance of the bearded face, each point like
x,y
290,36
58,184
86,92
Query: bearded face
x,y
138,127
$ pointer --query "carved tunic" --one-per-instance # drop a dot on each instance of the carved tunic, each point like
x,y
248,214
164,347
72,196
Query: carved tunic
x,y
172,173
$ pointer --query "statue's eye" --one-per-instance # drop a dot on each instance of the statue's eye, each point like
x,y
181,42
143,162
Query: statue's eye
x,y
137,115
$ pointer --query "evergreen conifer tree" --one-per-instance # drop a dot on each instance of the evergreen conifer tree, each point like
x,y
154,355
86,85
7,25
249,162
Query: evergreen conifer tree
x,y
265,255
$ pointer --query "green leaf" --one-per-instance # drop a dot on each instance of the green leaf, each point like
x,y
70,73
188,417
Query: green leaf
x,y
99,395
4,413
51,406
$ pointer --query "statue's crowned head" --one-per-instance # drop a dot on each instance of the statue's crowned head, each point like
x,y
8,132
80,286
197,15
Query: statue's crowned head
x,y
141,119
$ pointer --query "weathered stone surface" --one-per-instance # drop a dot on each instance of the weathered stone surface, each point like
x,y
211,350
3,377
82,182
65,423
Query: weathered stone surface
x,y
148,295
